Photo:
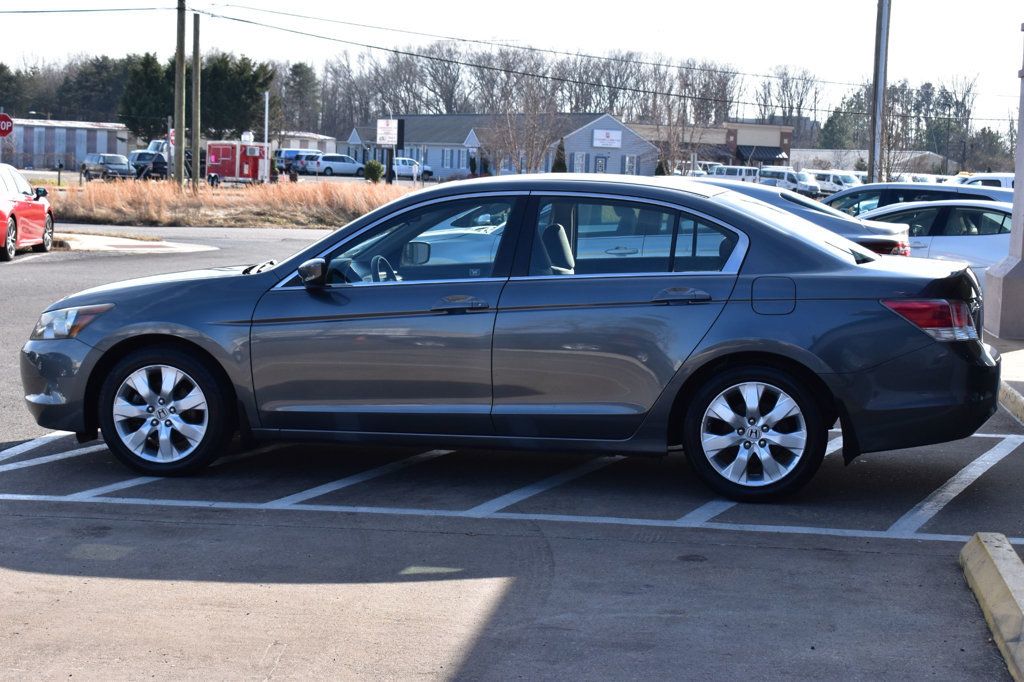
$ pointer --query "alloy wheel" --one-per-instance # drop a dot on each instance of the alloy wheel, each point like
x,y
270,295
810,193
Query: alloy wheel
x,y
10,244
753,434
160,413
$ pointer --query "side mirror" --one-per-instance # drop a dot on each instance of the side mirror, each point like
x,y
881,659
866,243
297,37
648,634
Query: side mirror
x,y
313,272
416,253
40,193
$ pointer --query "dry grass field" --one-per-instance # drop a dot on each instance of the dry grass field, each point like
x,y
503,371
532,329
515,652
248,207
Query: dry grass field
x,y
305,204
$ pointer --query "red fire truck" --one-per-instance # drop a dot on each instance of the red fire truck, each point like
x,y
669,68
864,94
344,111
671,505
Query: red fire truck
x,y
234,161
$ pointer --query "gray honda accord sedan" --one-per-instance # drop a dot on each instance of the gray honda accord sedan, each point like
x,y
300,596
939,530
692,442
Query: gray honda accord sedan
x,y
568,312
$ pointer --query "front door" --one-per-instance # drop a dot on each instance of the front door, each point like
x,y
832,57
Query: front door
x,y
588,335
399,338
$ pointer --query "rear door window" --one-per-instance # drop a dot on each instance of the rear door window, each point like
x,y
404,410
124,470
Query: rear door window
x,y
920,221
969,222
903,196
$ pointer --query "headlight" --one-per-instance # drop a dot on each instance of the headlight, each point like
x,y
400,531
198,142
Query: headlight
x,y
65,323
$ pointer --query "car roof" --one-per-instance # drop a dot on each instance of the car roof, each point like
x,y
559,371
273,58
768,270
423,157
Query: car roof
x,y
586,182
955,188
962,203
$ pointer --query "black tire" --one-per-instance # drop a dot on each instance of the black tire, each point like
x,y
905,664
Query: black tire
x,y
359,172
47,237
814,425
10,241
427,175
328,171
87,176
220,425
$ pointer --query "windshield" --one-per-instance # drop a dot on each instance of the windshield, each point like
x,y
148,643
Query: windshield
x,y
849,179
812,205
145,156
114,159
824,239
803,177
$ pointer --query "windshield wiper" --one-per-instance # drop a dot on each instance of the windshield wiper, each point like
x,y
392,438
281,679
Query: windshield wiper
x,y
259,267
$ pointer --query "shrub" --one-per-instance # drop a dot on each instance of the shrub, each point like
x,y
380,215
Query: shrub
x,y
373,170
558,165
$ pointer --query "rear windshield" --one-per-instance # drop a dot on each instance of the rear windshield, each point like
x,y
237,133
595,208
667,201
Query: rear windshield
x,y
145,156
114,158
833,243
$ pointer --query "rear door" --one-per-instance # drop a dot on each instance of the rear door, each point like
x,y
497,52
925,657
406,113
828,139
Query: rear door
x,y
922,223
979,236
586,340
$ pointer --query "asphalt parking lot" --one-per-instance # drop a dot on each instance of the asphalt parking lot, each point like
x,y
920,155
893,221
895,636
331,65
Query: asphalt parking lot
x,y
296,561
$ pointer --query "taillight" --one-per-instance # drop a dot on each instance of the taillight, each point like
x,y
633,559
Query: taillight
x,y
941,319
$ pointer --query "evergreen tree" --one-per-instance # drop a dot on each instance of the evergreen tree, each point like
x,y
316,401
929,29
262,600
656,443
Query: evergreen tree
x,y
302,98
558,165
660,168
147,98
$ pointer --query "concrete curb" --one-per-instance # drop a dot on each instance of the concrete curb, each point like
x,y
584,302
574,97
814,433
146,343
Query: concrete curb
x,y
80,241
1012,400
995,574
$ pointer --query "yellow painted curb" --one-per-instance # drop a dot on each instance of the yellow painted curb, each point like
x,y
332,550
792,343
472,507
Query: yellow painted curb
x,y
1011,400
996,575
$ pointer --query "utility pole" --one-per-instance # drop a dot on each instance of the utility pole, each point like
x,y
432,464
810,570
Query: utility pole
x,y
881,63
1004,281
197,67
179,99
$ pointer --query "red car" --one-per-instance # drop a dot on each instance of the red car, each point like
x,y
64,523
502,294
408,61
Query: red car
x,y
25,214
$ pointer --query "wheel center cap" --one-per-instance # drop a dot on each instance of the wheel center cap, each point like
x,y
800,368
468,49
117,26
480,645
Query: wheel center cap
x,y
754,433
161,413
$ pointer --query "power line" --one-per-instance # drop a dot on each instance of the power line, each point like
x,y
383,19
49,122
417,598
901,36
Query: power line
x,y
549,77
82,10
606,58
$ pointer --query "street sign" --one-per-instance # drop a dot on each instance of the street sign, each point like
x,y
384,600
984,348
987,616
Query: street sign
x,y
390,132
6,125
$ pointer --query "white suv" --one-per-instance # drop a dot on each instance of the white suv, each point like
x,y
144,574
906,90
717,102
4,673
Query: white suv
x,y
832,181
405,167
785,177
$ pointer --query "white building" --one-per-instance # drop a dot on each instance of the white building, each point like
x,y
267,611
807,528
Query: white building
x,y
42,144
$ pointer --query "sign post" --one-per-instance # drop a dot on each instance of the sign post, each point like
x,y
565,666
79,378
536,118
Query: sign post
x,y
390,134
6,128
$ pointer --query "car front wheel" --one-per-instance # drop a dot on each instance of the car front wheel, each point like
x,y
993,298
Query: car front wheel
x,y
359,172
328,171
164,413
754,433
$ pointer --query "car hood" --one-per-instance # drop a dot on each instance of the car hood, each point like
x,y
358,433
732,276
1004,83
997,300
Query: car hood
x,y
110,293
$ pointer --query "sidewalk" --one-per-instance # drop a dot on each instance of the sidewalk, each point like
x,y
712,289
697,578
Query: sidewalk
x,y
1012,393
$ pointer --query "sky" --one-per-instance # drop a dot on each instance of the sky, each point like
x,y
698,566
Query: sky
x,y
931,40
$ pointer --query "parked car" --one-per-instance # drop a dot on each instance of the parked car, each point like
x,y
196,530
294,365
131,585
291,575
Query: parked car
x,y
785,177
744,354
285,157
411,168
959,229
25,214
151,166
106,167
306,162
879,237
831,181
989,180
741,173
340,164
857,200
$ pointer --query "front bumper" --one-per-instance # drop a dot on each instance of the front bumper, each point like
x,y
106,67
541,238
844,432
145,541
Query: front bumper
x,y
940,393
54,375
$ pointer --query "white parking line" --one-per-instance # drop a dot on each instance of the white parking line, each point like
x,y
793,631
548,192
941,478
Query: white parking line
x,y
710,510
32,444
352,480
933,504
24,259
113,487
50,458
517,496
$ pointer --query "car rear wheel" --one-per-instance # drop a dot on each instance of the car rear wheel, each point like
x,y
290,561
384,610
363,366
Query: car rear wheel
x,y
754,433
164,413
47,237
10,241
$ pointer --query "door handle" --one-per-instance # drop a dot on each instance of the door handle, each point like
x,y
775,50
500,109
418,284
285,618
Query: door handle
x,y
622,251
681,295
917,245
459,304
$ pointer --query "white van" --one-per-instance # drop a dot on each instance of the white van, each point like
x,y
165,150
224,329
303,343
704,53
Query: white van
x,y
740,173
784,177
832,181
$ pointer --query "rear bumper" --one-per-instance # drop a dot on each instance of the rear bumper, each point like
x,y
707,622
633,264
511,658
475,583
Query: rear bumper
x,y
54,375
943,392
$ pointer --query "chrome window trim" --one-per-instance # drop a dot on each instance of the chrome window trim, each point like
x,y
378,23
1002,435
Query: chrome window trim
x,y
375,223
731,266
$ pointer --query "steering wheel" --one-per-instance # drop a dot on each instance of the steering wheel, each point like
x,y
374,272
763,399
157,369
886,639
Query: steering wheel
x,y
381,270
